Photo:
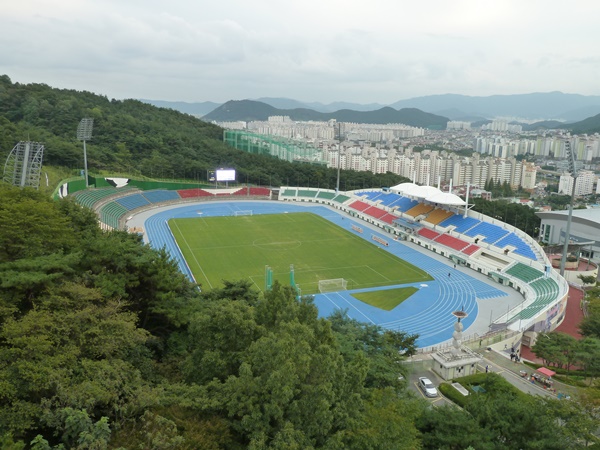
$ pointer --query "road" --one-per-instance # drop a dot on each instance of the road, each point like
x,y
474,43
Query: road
x,y
498,364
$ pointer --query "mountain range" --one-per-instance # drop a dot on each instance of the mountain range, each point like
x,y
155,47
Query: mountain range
x,y
250,110
527,107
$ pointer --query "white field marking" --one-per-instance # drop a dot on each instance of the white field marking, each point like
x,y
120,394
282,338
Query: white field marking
x,y
380,274
194,255
358,310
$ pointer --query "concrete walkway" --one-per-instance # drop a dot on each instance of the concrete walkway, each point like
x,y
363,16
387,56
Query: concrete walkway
x,y
511,372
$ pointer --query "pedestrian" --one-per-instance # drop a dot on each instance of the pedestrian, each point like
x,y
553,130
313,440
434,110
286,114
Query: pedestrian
x,y
448,274
487,368
455,266
512,356
505,346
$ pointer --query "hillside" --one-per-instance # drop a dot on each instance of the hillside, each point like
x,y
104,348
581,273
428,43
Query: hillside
x,y
194,108
137,138
249,110
589,126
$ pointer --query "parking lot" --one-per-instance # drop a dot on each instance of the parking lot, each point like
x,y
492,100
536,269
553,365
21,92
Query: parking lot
x,y
413,379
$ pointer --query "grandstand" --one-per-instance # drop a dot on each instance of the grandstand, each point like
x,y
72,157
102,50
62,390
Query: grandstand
x,y
486,245
161,195
193,193
133,201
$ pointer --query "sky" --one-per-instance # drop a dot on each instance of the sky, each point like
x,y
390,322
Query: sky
x,y
375,51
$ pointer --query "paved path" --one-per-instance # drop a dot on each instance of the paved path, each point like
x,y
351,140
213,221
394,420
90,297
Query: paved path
x,y
511,372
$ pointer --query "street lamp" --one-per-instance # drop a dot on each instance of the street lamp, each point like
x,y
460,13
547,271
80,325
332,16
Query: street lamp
x,y
84,133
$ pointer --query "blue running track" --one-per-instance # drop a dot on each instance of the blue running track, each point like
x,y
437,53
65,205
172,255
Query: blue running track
x,y
426,313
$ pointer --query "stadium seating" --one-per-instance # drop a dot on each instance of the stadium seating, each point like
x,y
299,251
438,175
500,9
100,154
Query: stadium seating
x,y
438,215
89,197
161,195
111,213
133,201
370,195
419,210
452,242
341,198
524,272
546,290
460,223
326,195
388,218
289,192
307,193
403,204
521,247
359,205
491,232
375,212
191,193
428,234
255,190
471,249
388,199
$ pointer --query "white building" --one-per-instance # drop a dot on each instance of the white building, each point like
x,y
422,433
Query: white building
x,y
583,186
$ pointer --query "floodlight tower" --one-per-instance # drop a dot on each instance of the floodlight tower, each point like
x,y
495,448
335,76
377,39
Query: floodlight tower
x,y
84,133
24,164
573,172
339,136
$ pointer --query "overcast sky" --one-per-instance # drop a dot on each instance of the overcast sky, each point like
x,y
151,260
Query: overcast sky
x,y
367,51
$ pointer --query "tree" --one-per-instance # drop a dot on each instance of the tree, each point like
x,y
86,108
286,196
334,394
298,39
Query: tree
x,y
555,349
587,355
587,279
449,428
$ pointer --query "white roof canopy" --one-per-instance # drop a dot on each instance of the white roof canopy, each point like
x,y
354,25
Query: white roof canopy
x,y
429,193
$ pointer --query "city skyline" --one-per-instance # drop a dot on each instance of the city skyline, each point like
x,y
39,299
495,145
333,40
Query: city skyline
x,y
380,52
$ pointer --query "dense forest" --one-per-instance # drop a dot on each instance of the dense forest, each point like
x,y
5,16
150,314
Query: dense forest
x,y
136,138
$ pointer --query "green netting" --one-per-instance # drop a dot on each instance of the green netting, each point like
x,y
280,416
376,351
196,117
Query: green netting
x,y
277,146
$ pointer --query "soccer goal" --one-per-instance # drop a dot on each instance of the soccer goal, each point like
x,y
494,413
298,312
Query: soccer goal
x,y
333,285
245,212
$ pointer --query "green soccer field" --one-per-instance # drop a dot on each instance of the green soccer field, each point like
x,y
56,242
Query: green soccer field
x,y
232,248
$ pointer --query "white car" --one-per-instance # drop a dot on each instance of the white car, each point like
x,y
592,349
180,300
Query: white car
x,y
427,387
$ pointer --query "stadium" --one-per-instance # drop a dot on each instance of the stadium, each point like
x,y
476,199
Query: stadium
x,y
403,258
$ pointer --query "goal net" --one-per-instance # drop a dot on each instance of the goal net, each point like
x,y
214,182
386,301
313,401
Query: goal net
x,y
246,212
333,285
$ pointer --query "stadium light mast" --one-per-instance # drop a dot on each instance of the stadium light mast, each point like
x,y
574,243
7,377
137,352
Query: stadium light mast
x,y
84,133
339,136
573,172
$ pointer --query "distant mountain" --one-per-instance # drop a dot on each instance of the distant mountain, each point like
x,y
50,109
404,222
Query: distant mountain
x,y
549,105
457,114
287,103
545,124
195,109
249,110
590,125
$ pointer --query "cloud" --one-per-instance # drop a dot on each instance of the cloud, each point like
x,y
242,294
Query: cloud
x,y
377,51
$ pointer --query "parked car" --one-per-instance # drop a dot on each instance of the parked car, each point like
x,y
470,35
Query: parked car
x,y
427,387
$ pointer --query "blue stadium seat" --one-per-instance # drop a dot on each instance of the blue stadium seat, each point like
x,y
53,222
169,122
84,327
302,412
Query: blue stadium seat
x,y
133,201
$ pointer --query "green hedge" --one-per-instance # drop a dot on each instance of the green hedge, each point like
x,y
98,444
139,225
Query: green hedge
x,y
453,395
